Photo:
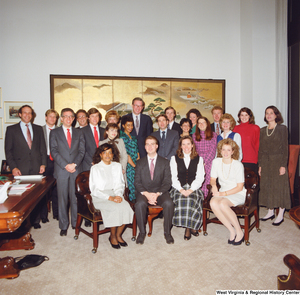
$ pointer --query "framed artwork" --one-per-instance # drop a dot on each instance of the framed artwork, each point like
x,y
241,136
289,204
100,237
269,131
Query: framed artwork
x,y
116,93
11,109
1,128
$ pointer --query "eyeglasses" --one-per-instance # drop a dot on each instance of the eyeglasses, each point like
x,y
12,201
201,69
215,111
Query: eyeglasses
x,y
138,106
68,117
81,117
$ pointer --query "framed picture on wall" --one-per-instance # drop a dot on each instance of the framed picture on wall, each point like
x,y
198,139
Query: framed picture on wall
x,y
11,109
116,93
1,128
5,168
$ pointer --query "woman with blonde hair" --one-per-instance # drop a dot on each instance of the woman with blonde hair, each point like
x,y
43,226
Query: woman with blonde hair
x,y
227,124
230,174
112,117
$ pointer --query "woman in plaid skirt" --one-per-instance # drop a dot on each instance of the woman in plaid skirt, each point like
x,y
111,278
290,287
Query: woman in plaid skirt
x,y
187,177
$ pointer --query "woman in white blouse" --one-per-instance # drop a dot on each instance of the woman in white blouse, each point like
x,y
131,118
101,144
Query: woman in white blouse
x,y
227,124
107,187
187,177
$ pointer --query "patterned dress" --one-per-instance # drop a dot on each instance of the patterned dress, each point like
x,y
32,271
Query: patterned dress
x,y
207,150
132,150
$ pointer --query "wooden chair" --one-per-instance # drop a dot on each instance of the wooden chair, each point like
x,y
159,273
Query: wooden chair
x,y
245,211
292,280
87,210
292,165
153,211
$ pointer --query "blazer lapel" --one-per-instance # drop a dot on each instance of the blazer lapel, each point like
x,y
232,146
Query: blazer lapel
x,y
63,137
21,135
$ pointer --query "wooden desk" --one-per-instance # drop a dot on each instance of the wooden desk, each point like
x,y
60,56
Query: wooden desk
x,y
295,214
15,210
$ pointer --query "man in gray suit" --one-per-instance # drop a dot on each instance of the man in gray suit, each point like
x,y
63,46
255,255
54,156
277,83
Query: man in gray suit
x,y
26,152
67,148
168,139
51,117
152,183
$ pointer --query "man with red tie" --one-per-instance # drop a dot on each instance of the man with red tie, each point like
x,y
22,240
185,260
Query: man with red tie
x,y
67,148
25,150
92,133
51,117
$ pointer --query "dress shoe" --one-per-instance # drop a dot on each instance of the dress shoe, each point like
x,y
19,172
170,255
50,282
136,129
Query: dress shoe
x,y
194,232
234,243
63,232
55,217
123,244
45,220
265,219
278,223
141,238
169,239
73,227
231,241
87,223
36,225
114,246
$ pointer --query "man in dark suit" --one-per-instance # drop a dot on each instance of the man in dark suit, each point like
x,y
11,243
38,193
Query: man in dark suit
x,y
67,148
168,139
171,114
217,113
25,151
152,183
51,117
92,134
142,124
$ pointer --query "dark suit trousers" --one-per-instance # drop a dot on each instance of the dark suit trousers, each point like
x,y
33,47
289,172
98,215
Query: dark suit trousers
x,y
53,197
141,211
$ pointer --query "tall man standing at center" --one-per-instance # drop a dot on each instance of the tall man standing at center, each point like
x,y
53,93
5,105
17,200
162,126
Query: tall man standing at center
x,y
152,183
67,148
142,124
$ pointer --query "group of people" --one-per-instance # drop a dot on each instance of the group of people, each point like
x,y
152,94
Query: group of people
x,y
170,167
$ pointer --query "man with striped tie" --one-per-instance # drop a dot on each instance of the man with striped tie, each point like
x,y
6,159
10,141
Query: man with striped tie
x,y
25,150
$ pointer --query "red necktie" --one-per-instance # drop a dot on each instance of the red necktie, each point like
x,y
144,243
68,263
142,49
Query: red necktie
x,y
51,159
69,139
29,141
152,168
96,136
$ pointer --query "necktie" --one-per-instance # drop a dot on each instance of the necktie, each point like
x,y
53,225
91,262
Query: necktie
x,y
163,136
218,129
69,139
96,136
137,125
29,141
152,168
51,159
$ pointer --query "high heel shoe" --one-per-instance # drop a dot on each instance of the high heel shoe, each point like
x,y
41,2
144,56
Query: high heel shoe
x,y
123,244
194,232
239,242
231,241
186,237
278,223
265,219
114,246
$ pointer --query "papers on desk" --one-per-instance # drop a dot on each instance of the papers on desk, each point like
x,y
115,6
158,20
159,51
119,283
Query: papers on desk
x,y
19,189
30,177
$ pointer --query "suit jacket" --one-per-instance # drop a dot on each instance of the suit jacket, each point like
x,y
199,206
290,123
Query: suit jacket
x,y
212,125
90,146
18,154
177,128
63,155
167,148
161,179
145,130
45,134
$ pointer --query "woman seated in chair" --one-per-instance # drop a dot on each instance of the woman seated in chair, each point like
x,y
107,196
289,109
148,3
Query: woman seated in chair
x,y
107,187
187,177
230,174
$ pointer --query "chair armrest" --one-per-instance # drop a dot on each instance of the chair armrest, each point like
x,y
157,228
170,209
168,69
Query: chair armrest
x,y
90,204
126,197
293,263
